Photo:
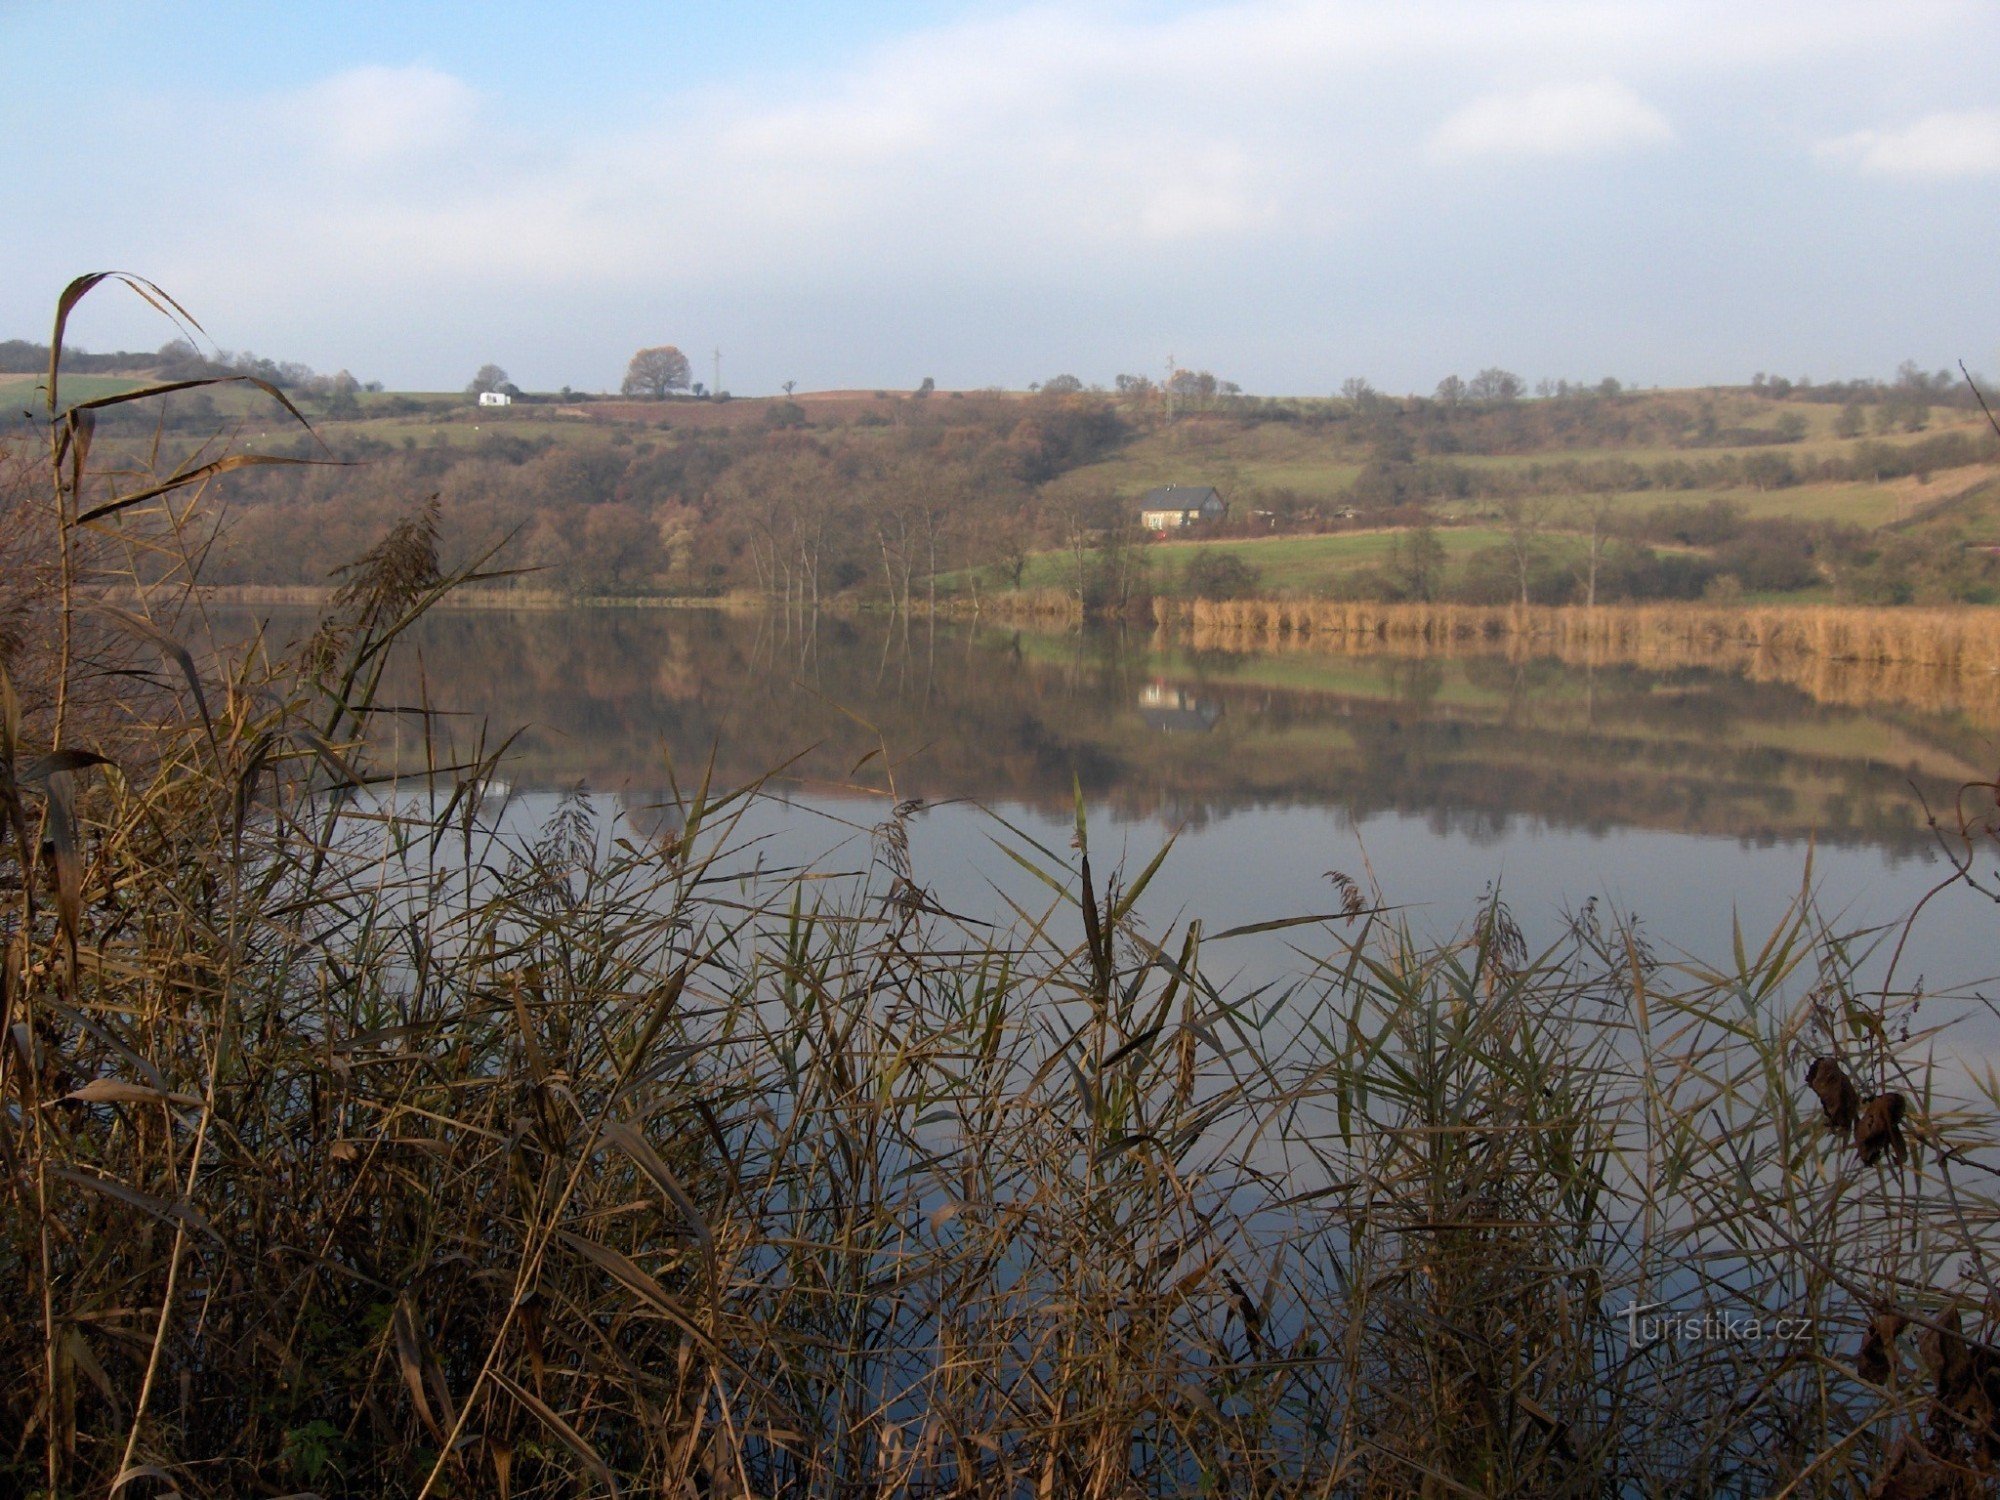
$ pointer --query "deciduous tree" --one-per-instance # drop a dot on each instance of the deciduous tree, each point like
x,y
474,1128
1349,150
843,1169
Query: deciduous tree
x,y
655,371
1495,384
1416,563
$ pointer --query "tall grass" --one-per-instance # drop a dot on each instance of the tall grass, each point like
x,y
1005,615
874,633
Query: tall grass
x,y
1963,640
353,1147
1934,657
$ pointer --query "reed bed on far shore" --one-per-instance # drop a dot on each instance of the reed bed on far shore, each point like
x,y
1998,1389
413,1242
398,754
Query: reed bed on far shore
x,y
1945,659
1962,641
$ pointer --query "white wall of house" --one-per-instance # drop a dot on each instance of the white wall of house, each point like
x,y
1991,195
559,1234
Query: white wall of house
x,y
495,398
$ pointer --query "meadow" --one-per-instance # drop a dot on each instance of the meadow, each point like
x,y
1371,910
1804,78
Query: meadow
x,y
22,392
1302,564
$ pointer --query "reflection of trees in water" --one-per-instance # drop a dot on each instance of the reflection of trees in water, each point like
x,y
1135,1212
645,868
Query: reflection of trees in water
x,y
1470,742
1414,682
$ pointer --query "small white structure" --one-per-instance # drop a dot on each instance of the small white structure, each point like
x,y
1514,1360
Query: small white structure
x,y
495,398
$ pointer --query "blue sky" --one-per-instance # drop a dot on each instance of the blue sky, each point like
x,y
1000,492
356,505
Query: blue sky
x,y
1288,192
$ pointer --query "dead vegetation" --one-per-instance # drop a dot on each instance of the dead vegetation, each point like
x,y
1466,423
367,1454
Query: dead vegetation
x,y
1962,640
1942,659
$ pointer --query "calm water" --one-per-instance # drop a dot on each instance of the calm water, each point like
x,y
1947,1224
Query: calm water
x,y
1689,798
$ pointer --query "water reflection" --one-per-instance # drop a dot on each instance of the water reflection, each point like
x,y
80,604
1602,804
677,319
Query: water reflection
x,y
1690,797
1168,707
1470,744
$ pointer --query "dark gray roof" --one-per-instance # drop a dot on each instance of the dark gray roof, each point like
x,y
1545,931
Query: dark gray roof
x,y
1181,497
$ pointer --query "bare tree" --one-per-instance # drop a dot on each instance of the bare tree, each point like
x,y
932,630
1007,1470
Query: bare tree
x,y
1526,517
1593,511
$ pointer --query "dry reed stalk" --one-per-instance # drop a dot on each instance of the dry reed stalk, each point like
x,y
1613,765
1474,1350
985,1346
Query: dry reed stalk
x,y
1845,655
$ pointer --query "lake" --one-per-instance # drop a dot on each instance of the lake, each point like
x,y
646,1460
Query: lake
x,y
1688,798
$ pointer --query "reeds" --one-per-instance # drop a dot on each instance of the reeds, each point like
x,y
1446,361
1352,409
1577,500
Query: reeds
x,y
353,1147
1042,607
1964,640
1947,658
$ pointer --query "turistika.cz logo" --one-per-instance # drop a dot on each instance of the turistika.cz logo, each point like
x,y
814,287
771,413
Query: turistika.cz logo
x,y
1647,1323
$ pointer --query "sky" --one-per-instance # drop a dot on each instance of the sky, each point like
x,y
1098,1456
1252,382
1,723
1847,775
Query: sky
x,y
1285,192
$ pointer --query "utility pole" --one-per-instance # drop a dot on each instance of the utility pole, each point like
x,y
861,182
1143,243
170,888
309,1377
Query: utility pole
x,y
1170,386
717,387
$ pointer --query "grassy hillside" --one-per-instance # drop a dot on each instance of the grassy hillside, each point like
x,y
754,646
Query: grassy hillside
x,y
27,391
1325,459
1822,493
1286,564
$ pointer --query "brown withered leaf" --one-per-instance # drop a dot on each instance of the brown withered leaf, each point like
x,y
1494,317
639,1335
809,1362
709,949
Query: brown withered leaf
x,y
1836,1093
1879,1128
1967,1402
1944,1349
1914,1474
1876,1360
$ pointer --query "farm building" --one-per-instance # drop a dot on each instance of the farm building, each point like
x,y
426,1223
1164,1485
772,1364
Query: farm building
x,y
1172,507
495,398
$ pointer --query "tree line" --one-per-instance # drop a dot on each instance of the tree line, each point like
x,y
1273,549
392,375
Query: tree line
x,y
802,514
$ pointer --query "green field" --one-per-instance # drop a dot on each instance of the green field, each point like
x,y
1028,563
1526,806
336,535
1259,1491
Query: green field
x,y
1286,565
18,392
1306,564
1860,504
1306,460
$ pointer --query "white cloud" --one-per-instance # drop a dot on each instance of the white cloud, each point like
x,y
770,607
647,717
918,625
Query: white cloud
x,y
1962,143
1008,144
1213,160
1560,120
370,115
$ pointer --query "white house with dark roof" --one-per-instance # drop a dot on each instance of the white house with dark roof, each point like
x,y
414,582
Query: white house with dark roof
x,y
1174,507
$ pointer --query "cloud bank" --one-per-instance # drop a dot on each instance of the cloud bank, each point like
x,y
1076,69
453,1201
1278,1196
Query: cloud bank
x,y
1296,187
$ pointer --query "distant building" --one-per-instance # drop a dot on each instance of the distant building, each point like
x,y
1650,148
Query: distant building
x,y
1173,507
495,398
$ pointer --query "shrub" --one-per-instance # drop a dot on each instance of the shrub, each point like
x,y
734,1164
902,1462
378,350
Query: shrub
x,y
1213,574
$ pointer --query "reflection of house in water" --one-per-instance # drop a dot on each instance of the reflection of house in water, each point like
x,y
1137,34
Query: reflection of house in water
x,y
1166,706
